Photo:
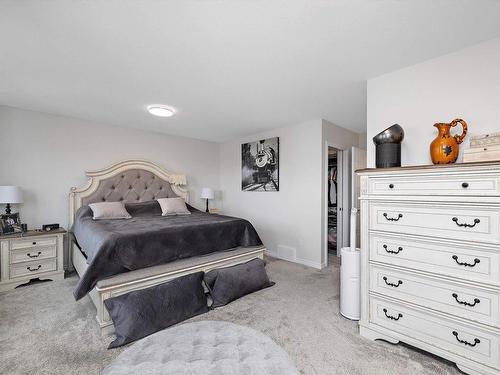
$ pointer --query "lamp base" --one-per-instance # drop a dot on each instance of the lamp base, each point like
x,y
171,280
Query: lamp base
x,y
207,206
7,209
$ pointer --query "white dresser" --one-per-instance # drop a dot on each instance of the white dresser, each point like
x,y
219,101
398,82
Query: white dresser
x,y
33,255
430,250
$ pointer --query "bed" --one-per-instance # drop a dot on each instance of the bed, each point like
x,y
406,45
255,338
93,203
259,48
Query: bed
x,y
106,272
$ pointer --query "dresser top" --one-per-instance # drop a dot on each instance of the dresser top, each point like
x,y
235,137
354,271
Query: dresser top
x,y
32,233
409,168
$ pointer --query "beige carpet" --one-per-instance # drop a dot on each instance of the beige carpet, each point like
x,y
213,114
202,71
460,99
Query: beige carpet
x,y
44,331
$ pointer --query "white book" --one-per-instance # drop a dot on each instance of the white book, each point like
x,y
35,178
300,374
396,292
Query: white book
x,y
482,154
482,149
491,139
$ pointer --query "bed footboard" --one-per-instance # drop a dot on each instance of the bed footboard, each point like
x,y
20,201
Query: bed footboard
x,y
144,278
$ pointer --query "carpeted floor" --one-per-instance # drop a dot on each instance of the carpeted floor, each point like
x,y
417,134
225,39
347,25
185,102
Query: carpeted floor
x,y
44,331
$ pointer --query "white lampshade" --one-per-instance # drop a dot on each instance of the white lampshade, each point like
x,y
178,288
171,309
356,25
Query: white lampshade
x,y
207,193
11,194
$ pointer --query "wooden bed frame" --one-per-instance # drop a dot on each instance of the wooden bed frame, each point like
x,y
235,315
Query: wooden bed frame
x,y
140,279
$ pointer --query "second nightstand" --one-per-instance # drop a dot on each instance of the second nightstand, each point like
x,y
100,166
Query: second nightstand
x,y
33,255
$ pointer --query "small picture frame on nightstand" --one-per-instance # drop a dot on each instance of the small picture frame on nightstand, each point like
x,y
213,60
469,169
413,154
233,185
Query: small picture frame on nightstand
x,y
214,211
9,223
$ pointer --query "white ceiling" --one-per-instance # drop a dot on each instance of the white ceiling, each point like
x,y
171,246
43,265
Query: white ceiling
x,y
229,67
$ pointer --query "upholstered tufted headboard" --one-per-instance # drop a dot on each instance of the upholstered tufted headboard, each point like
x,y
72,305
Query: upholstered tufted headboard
x,y
128,181
134,185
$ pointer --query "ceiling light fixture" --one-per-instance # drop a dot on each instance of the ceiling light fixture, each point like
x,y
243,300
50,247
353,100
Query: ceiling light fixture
x,y
160,110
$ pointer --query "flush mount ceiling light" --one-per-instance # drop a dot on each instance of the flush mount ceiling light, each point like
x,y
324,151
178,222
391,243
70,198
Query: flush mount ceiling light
x,y
160,110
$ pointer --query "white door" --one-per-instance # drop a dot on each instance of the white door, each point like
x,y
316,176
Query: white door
x,y
358,161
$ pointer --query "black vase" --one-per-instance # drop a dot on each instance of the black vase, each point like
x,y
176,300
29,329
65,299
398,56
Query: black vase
x,y
388,147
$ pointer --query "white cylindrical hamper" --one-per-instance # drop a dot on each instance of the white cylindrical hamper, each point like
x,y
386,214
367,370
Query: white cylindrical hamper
x,y
350,270
350,283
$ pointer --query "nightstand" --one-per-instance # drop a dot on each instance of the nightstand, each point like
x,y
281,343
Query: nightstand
x,y
32,255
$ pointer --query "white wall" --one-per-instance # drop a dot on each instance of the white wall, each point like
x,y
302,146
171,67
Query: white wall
x,y
46,155
464,84
290,217
341,138
362,139
291,221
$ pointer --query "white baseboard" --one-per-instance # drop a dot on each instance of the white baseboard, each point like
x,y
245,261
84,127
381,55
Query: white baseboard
x,y
305,262
310,263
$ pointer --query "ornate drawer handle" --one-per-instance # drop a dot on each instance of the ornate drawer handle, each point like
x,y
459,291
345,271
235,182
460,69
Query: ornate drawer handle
x,y
33,243
34,256
391,284
466,343
465,264
400,249
476,301
34,269
465,185
391,186
393,218
392,317
465,225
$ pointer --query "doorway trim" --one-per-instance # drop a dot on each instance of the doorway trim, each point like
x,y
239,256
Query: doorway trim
x,y
343,198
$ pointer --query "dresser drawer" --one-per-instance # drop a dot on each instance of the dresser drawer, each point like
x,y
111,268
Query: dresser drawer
x,y
476,263
461,222
469,341
480,305
32,268
32,253
467,185
33,242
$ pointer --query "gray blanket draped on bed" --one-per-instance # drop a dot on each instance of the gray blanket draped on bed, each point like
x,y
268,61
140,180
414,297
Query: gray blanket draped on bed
x,y
149,239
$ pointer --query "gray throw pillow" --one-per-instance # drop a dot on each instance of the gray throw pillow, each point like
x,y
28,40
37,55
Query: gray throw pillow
x,y
173,206
142,312
228,284
109,210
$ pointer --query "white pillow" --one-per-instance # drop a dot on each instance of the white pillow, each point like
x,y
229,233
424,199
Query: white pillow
x,y
173,206
109,210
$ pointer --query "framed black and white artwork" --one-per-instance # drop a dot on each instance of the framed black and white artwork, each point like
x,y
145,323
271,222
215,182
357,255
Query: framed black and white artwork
x,y
260,165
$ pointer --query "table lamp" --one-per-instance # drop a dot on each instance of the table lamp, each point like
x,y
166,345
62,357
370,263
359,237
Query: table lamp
x,y
10,195
207,193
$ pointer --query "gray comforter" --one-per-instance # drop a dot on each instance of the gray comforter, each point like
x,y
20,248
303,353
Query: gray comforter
x,y
149,239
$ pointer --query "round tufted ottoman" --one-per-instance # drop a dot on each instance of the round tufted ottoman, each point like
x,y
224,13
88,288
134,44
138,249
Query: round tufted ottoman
x,y
207,347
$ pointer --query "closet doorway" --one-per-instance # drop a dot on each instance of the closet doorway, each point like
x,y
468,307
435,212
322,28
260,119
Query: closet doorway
x,y
335,201
341,193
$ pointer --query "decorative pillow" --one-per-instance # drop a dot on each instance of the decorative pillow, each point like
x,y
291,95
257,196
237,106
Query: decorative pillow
x,y
173,206
109,210
228,284
142,312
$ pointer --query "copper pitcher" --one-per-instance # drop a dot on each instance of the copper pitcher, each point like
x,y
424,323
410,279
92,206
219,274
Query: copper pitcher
x,y
444,149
